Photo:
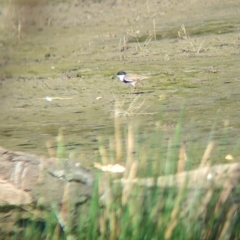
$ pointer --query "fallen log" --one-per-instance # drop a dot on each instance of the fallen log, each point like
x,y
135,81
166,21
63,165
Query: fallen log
x,y
206,177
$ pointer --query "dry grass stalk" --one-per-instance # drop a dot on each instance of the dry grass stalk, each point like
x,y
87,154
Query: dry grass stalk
x,y
19,27
177,208
41,175
102,223
118,139
170,229
200,207
103,154
57,232
175,212
107,215
148,40
125,108
12,19
226,225
206,155
205,200
227,189
104,183
113,225
63,216
130,150
8,12
154,30
51,152
105,190
196,46
228,221
204,164
122,44
148,9
140,47
182,158
128,187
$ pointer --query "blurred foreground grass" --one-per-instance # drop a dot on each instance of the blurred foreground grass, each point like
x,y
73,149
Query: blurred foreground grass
x,y
140,204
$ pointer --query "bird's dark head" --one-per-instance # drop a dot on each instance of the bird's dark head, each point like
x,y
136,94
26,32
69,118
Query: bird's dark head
x,y
121,73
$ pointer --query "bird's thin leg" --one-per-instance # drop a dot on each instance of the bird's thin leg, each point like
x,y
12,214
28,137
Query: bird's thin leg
x,y
135,89
132,90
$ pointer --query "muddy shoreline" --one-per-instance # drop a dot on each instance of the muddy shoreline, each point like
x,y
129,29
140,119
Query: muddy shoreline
x,y
71,50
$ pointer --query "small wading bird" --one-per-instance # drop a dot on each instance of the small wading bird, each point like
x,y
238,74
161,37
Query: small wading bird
x,y
131,79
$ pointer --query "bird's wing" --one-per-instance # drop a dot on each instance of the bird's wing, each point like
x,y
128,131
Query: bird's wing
x,y
135,77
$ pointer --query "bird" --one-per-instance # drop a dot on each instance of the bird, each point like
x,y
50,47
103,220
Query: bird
x,y
131,79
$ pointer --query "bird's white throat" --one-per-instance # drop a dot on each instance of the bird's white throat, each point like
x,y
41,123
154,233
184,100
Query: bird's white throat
x,y
121,77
